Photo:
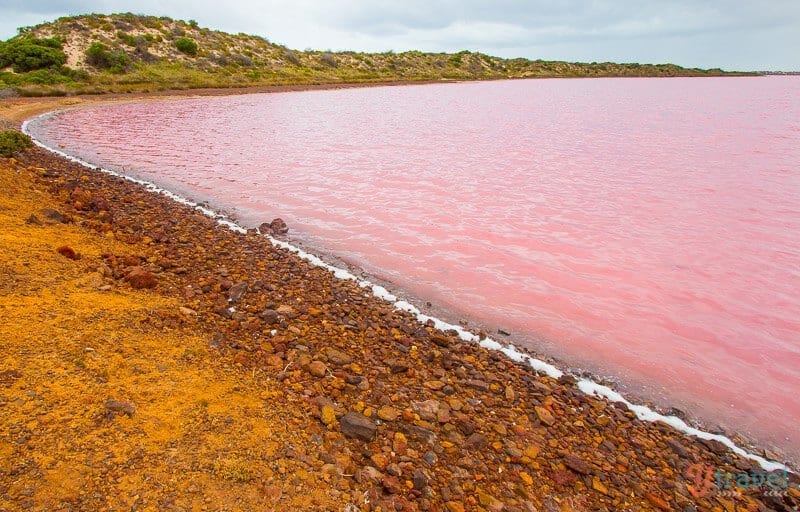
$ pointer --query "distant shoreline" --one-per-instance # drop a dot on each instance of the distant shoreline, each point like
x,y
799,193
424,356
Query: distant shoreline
x,y
16,109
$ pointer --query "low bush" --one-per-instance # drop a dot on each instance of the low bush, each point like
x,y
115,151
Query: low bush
x,y
52,76
328,60
12,142
186,45
101,57
290,57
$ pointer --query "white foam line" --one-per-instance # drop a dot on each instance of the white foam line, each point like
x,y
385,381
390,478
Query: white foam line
x,y
586,385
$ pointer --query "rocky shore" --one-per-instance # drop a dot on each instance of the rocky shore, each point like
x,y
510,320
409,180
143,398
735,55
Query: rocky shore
x,y
153,360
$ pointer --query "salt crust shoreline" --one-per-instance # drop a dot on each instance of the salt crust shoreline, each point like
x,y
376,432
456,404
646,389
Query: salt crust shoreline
x,y
586,385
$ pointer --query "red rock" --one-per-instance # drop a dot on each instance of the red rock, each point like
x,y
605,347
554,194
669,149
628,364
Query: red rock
x,y
139,279
563,478
476,441
577,464
657,502
68,252
391,485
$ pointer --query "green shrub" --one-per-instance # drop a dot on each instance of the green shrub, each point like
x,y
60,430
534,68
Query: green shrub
x,y
186,45
12,142
126,38
99,56
29,53
41,77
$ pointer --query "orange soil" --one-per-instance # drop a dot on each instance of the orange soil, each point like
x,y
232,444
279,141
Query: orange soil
x,y
203,433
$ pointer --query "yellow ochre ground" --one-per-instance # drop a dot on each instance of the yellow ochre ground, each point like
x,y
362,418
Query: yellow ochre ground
x,y
201,433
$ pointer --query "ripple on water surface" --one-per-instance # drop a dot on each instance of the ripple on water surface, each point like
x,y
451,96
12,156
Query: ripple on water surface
x,y
648,229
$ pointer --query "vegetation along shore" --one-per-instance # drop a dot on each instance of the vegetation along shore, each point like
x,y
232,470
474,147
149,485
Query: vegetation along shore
x,y
96,53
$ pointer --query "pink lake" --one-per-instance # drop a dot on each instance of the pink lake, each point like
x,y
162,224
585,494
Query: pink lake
x,y
646,230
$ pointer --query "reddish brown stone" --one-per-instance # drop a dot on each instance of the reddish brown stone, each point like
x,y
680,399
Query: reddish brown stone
x,y
140,279
68,252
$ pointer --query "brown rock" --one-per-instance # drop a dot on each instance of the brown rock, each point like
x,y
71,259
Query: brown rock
x,y
545,416
33,220
478,384
270,316
68,252
476,441
278,227
358,426
563,478
53,215
119,407
427,410
139,279
387,413
317,369
678,448
441,340
338,357
381,460
489,502
368,474
287,311
397,366
391,485
420,479
8,377
577,464
237,292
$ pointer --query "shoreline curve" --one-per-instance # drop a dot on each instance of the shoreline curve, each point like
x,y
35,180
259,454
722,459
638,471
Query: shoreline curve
x,y
587,386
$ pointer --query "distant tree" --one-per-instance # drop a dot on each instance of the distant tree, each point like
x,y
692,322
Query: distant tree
x,y
29,53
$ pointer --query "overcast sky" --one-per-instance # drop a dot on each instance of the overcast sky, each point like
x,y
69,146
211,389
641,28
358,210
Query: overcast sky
x,y
731,34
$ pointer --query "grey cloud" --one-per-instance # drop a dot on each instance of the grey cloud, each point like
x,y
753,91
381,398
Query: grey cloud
x,y
614,18
708,33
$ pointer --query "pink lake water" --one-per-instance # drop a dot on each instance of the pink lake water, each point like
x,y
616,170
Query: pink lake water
x,y
647,230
